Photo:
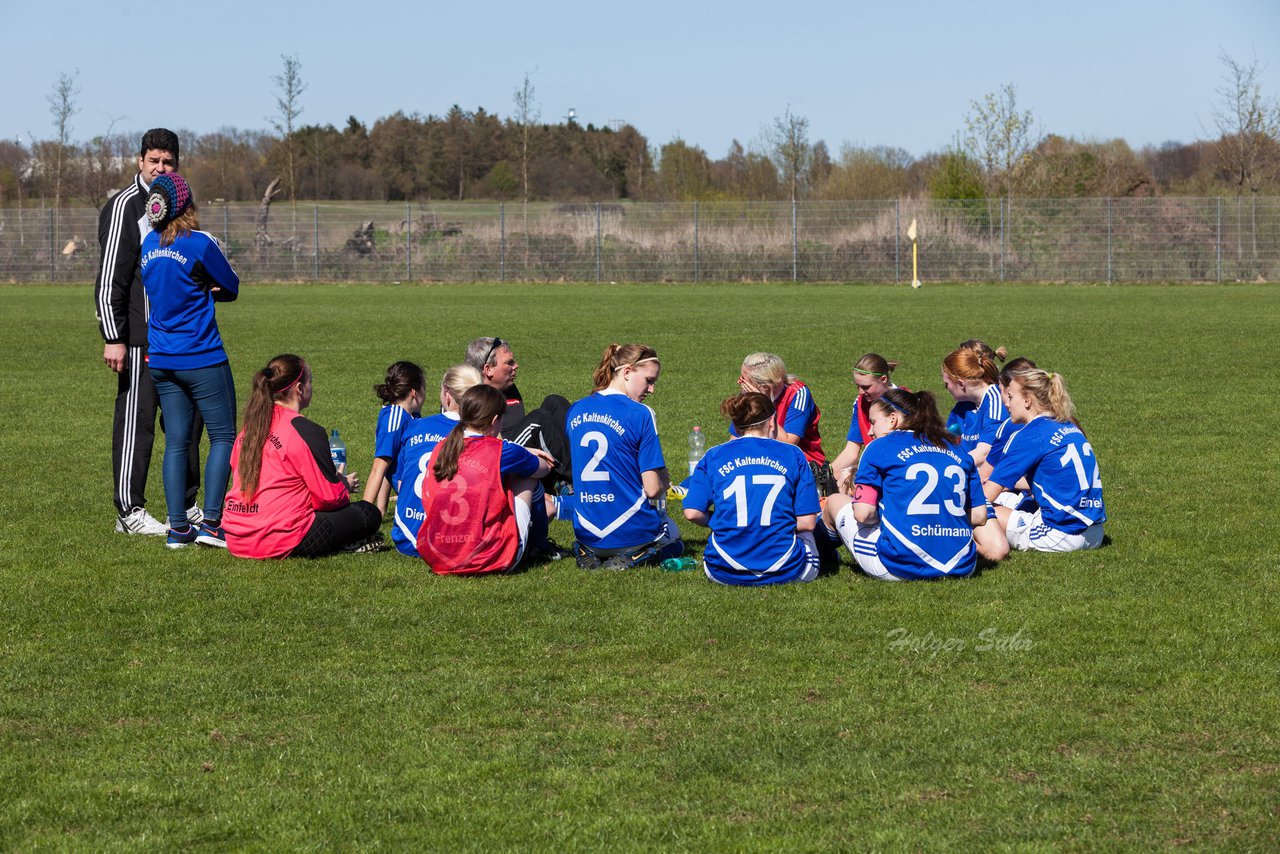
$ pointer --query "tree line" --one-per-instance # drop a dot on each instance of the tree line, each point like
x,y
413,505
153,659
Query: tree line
x,y
479,155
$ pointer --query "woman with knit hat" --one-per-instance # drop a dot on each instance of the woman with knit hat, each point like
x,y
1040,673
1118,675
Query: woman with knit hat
x,y
185,273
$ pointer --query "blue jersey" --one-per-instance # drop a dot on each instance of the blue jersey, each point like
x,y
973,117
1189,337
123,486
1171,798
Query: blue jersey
x,y
614,440
1058,462
758,487
1004,432
388,434
981,422
956,417
420,437
182,329
926,494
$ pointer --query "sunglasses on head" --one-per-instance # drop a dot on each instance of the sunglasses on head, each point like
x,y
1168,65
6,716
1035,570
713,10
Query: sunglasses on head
x,y
497,342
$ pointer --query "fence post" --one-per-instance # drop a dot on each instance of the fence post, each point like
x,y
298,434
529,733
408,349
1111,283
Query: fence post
x,y
1108,240
795,246
226,229
597,242
502,241
408,242
315,253
697,249
897,241
53,263
1003,200
1218,246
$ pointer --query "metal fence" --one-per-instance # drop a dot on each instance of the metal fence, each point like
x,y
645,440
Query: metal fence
x,y
1071,240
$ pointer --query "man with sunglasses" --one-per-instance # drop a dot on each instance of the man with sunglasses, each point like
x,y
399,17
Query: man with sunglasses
x,y
543,428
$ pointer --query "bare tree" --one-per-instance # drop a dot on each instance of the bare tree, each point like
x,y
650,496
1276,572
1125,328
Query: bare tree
x,y
62,105
790,150
1248,133
527,114
998,136
289,89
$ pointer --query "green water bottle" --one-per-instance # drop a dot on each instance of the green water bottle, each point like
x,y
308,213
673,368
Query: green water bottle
x,y
679,564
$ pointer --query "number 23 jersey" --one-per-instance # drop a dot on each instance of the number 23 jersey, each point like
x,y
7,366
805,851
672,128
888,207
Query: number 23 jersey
x,y
614,440
926,493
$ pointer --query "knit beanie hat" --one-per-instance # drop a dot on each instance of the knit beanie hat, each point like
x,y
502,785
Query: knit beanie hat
x,y
169,197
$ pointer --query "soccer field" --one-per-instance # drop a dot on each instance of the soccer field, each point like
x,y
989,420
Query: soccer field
x,y
1122,698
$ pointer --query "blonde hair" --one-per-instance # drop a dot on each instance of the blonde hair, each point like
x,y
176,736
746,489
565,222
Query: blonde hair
x,y
181,225
458,379
766,369
1049,391
873,364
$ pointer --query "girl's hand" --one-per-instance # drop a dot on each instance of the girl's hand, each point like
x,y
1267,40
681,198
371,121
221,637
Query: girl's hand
x,y
353,481
543,455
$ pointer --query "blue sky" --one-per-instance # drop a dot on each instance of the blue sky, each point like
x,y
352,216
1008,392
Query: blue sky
x,y
899,74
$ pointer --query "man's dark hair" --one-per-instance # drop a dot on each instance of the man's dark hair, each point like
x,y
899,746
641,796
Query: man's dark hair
x,y
160,139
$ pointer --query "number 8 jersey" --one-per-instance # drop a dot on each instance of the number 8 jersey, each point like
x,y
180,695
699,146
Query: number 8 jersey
x,y
926,493
614,439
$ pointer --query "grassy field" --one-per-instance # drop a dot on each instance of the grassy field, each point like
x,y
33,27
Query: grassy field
x,y
1125,698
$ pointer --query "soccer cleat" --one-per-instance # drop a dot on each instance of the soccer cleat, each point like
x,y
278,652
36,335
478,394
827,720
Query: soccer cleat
x,y
368,545
211,535
676,492
546,551
195,515
181,539
139,521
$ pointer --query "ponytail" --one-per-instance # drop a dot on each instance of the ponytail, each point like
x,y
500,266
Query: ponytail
x,y
917,412
281,374
618,356
1049,390
477,408
402,379
971,365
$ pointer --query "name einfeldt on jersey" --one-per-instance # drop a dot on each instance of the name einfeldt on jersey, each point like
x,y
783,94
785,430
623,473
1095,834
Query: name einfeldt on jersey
x,y
989,639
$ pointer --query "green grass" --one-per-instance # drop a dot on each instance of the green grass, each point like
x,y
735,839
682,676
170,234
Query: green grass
x,y
1117,699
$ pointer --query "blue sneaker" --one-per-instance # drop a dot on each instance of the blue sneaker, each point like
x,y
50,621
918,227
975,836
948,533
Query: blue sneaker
x,y
181,539
211,535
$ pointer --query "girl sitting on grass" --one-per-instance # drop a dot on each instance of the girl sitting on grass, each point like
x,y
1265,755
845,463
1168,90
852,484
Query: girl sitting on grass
x,y
796,412
764,498
477,492
402,393
286,498
1050,457
871,376
620,478
916,499
420,438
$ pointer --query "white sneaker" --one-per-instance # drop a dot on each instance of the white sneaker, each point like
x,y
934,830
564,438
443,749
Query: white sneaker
x,y
195,516
139,521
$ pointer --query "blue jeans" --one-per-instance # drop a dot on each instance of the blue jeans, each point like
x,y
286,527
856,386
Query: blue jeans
x,y
181,393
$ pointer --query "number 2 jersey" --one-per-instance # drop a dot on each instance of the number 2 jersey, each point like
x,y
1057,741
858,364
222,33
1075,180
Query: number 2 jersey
x,y
614,440
926,494
758,487
1058,462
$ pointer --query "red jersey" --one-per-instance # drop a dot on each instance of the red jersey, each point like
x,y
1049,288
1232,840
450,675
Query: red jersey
x,y
470,526
789,416
297,479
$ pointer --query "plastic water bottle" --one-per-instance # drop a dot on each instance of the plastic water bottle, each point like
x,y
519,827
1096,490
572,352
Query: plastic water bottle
x,y
679,564
338,451
697,447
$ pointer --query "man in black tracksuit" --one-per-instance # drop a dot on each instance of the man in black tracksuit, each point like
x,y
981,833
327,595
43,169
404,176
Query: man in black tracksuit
x,y
121,307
